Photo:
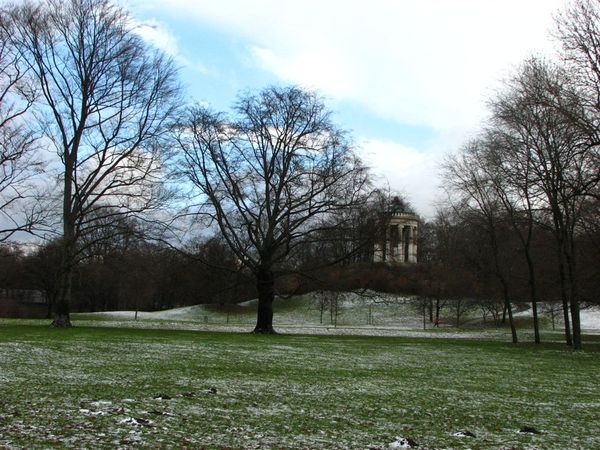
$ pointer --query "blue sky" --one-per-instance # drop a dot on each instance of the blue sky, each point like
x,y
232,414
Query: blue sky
x,y
409,79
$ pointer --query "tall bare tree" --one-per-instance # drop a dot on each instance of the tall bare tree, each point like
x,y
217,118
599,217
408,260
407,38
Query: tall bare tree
x,y
19,161
467,176
106,102
269,177
509,173
578,32
543,111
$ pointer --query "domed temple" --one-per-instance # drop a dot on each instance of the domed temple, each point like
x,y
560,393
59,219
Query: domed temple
x,y
399,245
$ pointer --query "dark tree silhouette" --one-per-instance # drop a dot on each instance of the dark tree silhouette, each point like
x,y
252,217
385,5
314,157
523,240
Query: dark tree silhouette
x,y
105,104
272,178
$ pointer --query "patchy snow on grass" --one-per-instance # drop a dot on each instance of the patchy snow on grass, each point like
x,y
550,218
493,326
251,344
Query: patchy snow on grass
x,y
361,314
121,388
183,313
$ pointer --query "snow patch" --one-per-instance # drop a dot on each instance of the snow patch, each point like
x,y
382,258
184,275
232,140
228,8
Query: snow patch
x,y
590,318
101,403
462,434
401,442
133,421
89,412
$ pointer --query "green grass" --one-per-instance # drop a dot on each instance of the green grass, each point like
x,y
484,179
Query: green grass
x,y
80,387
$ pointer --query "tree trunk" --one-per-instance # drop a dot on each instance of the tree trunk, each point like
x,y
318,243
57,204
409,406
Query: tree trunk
x,y
565,301
574,291
577,344
567,321
533,294
50,300
62,318
430,305
62,306
331,306
513,329
508,309
266,293
536,322
575,314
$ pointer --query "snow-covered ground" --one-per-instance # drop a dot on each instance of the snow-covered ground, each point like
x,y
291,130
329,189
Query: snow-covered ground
x,y
184,313
590,319
589,316
388,316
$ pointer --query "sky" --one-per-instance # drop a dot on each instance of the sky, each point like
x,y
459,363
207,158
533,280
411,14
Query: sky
x,y
408,79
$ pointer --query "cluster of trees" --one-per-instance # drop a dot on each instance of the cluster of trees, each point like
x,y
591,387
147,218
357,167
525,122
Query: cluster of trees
x,y
88,98
95,139
129,273
147,204
529,183
120,268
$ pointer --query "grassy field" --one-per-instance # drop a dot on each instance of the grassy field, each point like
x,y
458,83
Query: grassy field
x,y
94,387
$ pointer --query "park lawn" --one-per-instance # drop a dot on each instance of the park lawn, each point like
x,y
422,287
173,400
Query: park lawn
x,y
90,387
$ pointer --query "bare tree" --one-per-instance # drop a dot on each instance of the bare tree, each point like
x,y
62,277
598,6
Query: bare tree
x,y
460,306
518,194
19,161
467,176
106,101
538,109
510,185
271,178
439,251
578,32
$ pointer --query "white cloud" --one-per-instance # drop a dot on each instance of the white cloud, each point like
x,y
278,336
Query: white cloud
x,y
158,34
411,172
300,68
429,63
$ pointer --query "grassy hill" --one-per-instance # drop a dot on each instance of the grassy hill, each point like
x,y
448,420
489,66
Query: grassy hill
x,y
353,310
367,313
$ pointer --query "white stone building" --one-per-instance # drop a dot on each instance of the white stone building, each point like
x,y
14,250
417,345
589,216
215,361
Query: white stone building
x,y
400,242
